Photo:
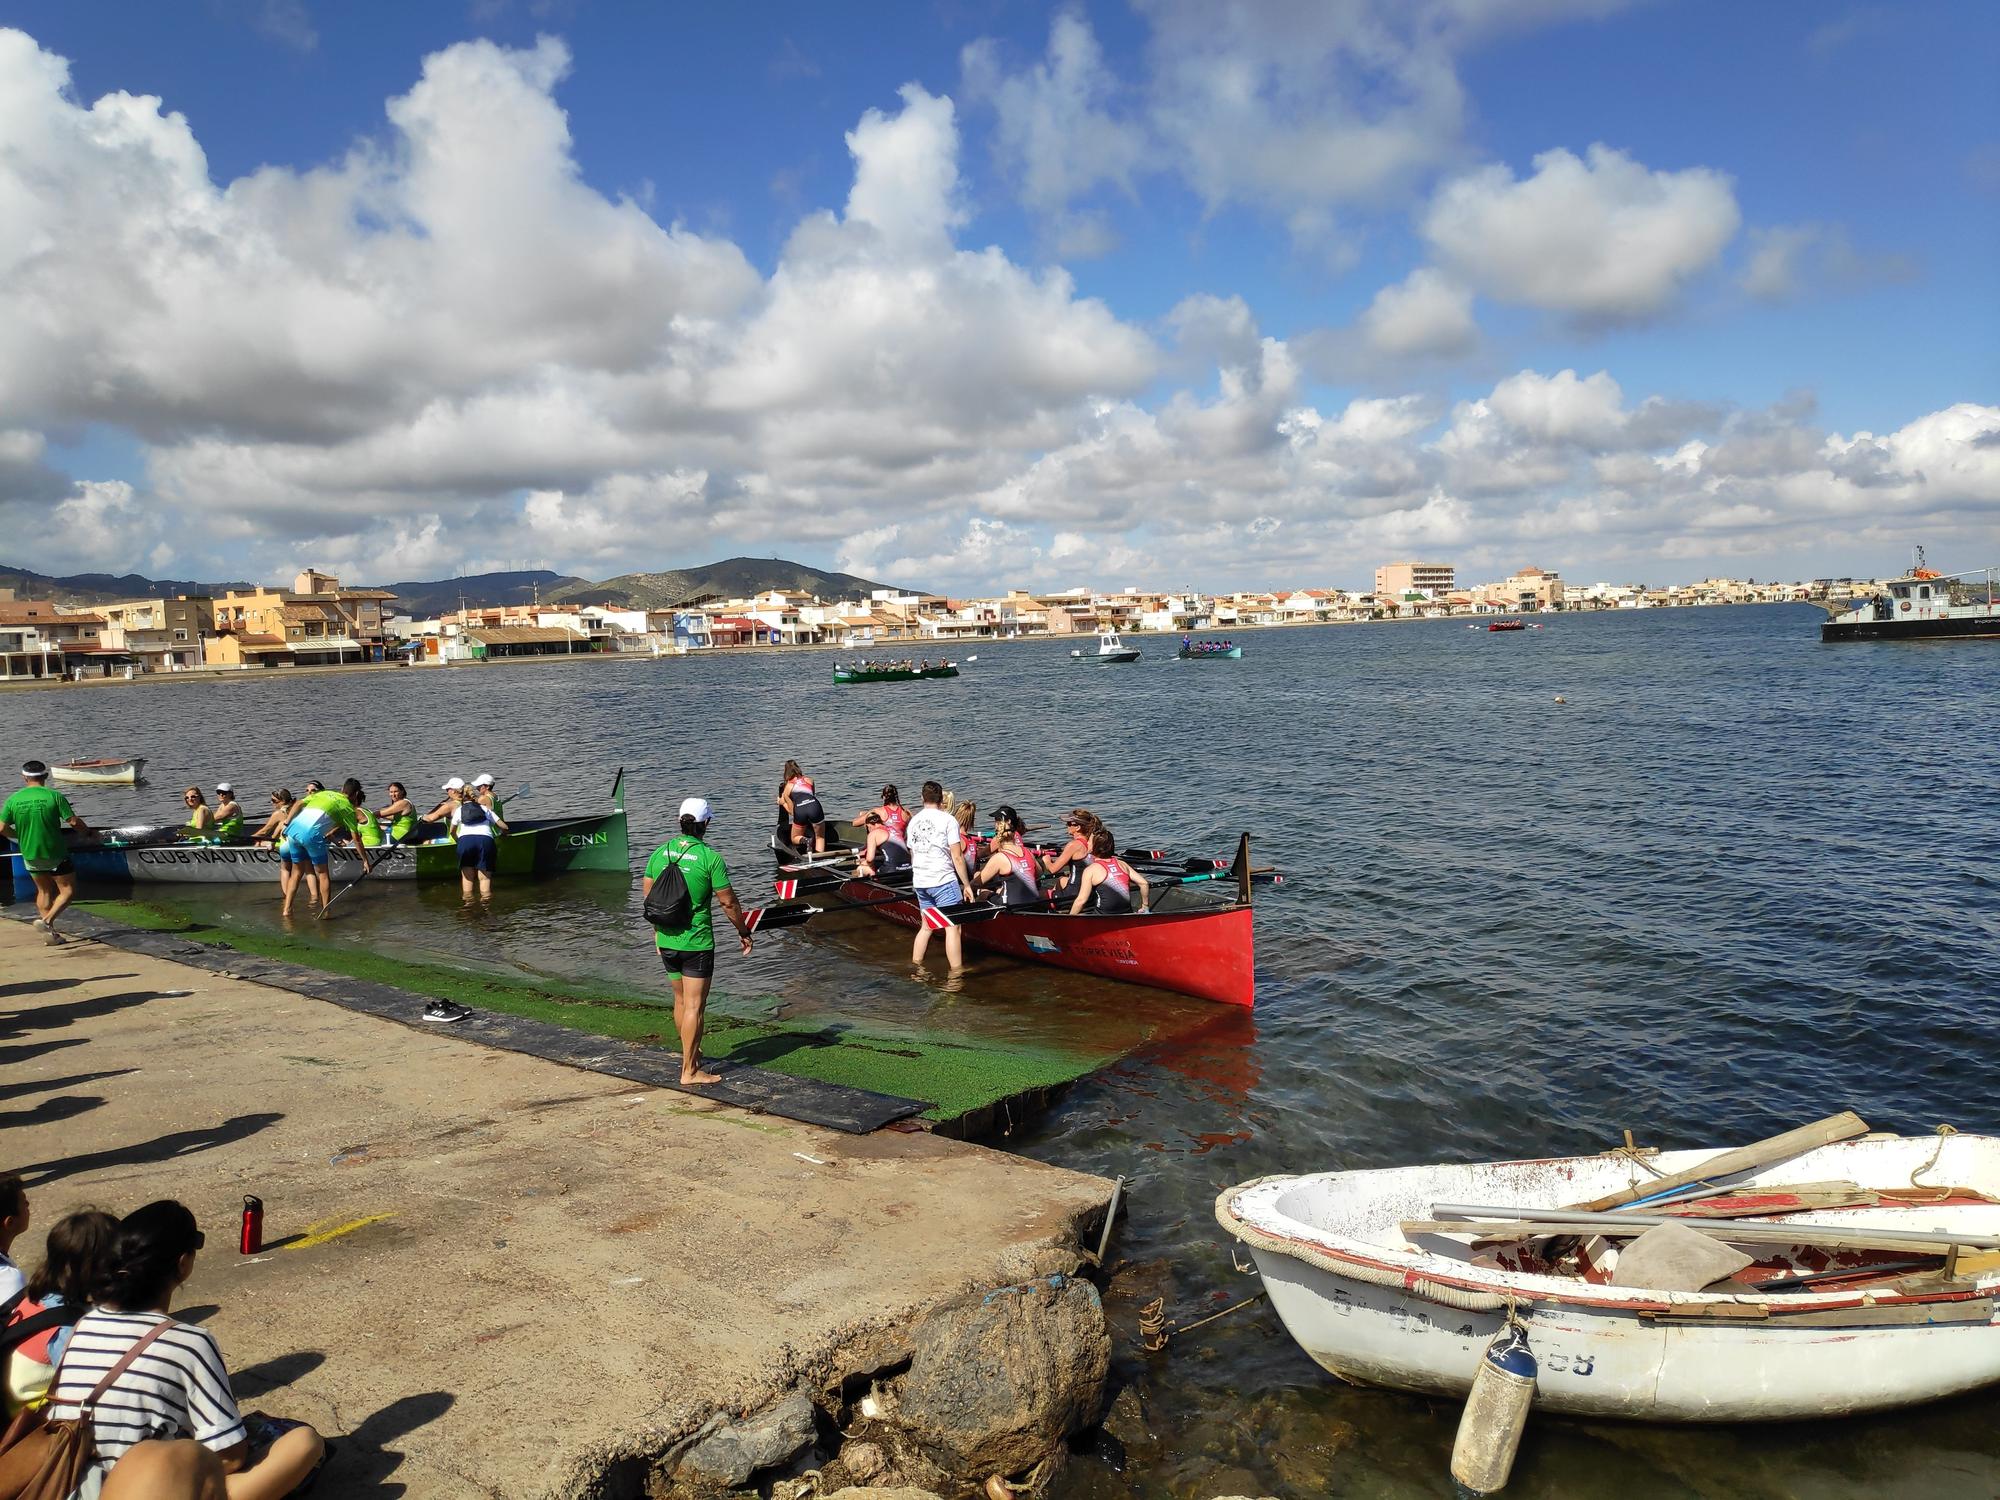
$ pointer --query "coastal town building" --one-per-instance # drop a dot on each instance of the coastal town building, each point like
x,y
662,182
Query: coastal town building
x,y
1394,580
319,622
314,623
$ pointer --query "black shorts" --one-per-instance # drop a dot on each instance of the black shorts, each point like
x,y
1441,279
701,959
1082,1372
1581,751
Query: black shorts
x,y
695,963
478,854
806,811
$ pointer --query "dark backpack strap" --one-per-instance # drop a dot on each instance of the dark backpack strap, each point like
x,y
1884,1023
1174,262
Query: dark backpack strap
x,y
7,1308
63,1315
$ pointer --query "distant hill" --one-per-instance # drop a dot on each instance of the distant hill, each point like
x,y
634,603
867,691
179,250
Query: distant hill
x,y
441,595
101,588
734,577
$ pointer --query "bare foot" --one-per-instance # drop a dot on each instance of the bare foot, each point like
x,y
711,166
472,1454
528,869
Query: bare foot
x,y
689,1080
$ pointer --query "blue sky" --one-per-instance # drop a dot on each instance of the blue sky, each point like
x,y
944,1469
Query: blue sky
x,y
1105,294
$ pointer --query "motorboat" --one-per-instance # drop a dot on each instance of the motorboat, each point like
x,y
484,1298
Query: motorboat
x,y
1110,650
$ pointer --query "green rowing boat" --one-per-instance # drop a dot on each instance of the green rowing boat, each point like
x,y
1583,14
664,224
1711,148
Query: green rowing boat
x,y
893,674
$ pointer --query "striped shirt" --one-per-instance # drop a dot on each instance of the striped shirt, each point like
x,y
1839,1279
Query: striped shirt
x,y
176,1388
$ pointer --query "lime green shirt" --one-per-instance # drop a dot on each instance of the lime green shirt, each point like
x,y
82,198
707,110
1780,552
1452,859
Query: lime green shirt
x,y
337,809
370,825
36,814
701,867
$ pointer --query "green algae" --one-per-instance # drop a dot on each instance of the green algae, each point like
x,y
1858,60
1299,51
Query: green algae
x,y
955,1075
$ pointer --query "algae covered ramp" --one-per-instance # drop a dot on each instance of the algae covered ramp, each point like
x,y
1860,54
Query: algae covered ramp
x,y
963,1084
447,1224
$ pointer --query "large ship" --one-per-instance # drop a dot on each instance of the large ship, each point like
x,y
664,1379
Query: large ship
x,y
1922,605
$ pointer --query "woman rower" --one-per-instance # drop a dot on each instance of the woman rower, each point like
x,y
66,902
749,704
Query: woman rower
x,y
228,814
400,815
1105,885
1067,863
273,828
201,822
801,804
967,813
885,827
1010,871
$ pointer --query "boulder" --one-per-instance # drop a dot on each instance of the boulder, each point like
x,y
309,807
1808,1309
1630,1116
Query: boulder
x,y
996,1384
776,1435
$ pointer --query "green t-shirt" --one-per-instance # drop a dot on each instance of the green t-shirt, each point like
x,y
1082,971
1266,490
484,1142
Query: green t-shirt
x,y
338,810
36,815
701,867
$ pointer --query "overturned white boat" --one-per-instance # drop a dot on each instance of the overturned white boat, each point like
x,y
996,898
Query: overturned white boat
x,y
1857,1275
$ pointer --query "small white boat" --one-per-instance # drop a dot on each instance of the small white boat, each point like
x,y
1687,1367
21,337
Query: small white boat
x,y
1110,650
1376,1277
102,772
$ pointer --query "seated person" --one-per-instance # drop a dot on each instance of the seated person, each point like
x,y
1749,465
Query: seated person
x,y
71,1261
1105,886
1010,871
180,1387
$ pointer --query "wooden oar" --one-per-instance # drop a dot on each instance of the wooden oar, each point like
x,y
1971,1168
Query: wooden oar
x,y
1840,1127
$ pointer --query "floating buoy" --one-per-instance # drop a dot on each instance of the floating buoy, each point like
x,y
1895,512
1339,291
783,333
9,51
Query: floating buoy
x,y
1496,1413
1561,699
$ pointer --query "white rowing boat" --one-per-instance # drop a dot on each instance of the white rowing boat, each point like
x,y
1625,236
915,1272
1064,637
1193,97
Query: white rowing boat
x,y
100,772
1383,1283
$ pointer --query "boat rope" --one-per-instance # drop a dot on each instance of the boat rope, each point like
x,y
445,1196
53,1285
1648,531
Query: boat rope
x,y
1257,1238
1155,1331
1943,1132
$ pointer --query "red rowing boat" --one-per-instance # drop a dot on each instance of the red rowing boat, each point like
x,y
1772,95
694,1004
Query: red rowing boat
x,y
1205,951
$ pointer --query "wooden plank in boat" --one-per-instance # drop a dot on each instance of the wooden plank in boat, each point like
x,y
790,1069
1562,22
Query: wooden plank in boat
x,y
1738,1231
1843,1126
1970,1310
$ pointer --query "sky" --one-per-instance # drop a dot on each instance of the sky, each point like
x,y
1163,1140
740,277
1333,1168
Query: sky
x,y
969,295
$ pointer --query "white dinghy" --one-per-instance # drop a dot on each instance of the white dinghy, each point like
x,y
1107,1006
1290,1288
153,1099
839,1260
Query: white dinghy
x,y
1853,1274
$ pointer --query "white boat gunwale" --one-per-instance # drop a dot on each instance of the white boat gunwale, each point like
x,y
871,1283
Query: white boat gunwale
x,y
1248,1211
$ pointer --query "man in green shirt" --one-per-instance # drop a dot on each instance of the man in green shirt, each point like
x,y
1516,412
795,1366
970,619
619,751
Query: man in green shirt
x,y
33,817
689,953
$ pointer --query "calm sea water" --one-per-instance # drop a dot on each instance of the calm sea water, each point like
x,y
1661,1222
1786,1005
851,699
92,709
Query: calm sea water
x,y
1735,881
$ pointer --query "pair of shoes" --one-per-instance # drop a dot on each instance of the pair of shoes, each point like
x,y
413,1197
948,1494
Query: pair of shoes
x,y
446,1011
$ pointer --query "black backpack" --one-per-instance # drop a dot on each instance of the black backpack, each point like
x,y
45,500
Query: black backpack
x,y
668,906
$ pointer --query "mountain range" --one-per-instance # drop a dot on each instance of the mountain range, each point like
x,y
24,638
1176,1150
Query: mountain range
x,y
731,578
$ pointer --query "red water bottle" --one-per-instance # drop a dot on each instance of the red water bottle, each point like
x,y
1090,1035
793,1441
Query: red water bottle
x,y
253,1225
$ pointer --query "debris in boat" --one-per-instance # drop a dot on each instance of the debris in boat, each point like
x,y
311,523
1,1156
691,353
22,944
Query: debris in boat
x,y
1496,1413
1674,1258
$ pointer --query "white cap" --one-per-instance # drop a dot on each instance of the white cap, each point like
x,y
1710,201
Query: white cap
x,y
484,778
698,809
456,784
223,786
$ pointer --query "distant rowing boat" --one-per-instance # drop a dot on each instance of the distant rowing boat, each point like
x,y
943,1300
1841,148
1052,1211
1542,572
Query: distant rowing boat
x,y
106,772
1209,651
893,674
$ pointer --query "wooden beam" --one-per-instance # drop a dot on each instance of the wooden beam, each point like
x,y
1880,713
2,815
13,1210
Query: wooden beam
x,y
1843,1126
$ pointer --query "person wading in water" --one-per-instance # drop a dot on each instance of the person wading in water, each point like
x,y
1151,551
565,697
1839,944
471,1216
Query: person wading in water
x,y
687,945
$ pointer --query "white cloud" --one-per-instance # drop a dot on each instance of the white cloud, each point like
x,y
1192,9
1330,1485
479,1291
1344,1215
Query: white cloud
x,y
1055,131
1425,313
1599,237
448,334
1789,261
